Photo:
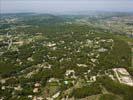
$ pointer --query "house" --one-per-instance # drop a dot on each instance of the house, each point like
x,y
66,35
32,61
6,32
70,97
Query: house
x,y
53,80
68,72
30,96
93,78
35,90
38,98
81,65
37,84
102,50
56,95
18,88
3,88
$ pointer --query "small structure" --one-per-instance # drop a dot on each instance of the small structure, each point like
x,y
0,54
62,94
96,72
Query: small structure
x,y
66,82
56,95
36,87
30,96
38,98
35,90
51,44
20,43
18,88
70,73
3,88
37,84
81,65
92,79
30,59
93,60
2,81
53,80
102,50
38,33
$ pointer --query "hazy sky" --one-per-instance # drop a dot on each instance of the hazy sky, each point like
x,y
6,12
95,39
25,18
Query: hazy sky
x,y
46,6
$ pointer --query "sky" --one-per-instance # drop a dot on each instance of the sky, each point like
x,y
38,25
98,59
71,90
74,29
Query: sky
x,y
60,6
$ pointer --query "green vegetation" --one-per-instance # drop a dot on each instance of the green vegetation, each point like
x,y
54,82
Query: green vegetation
x,y
117,88
49,56
85,91
109,97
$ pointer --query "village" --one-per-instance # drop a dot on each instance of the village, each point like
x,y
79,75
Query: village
x,y
65,62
